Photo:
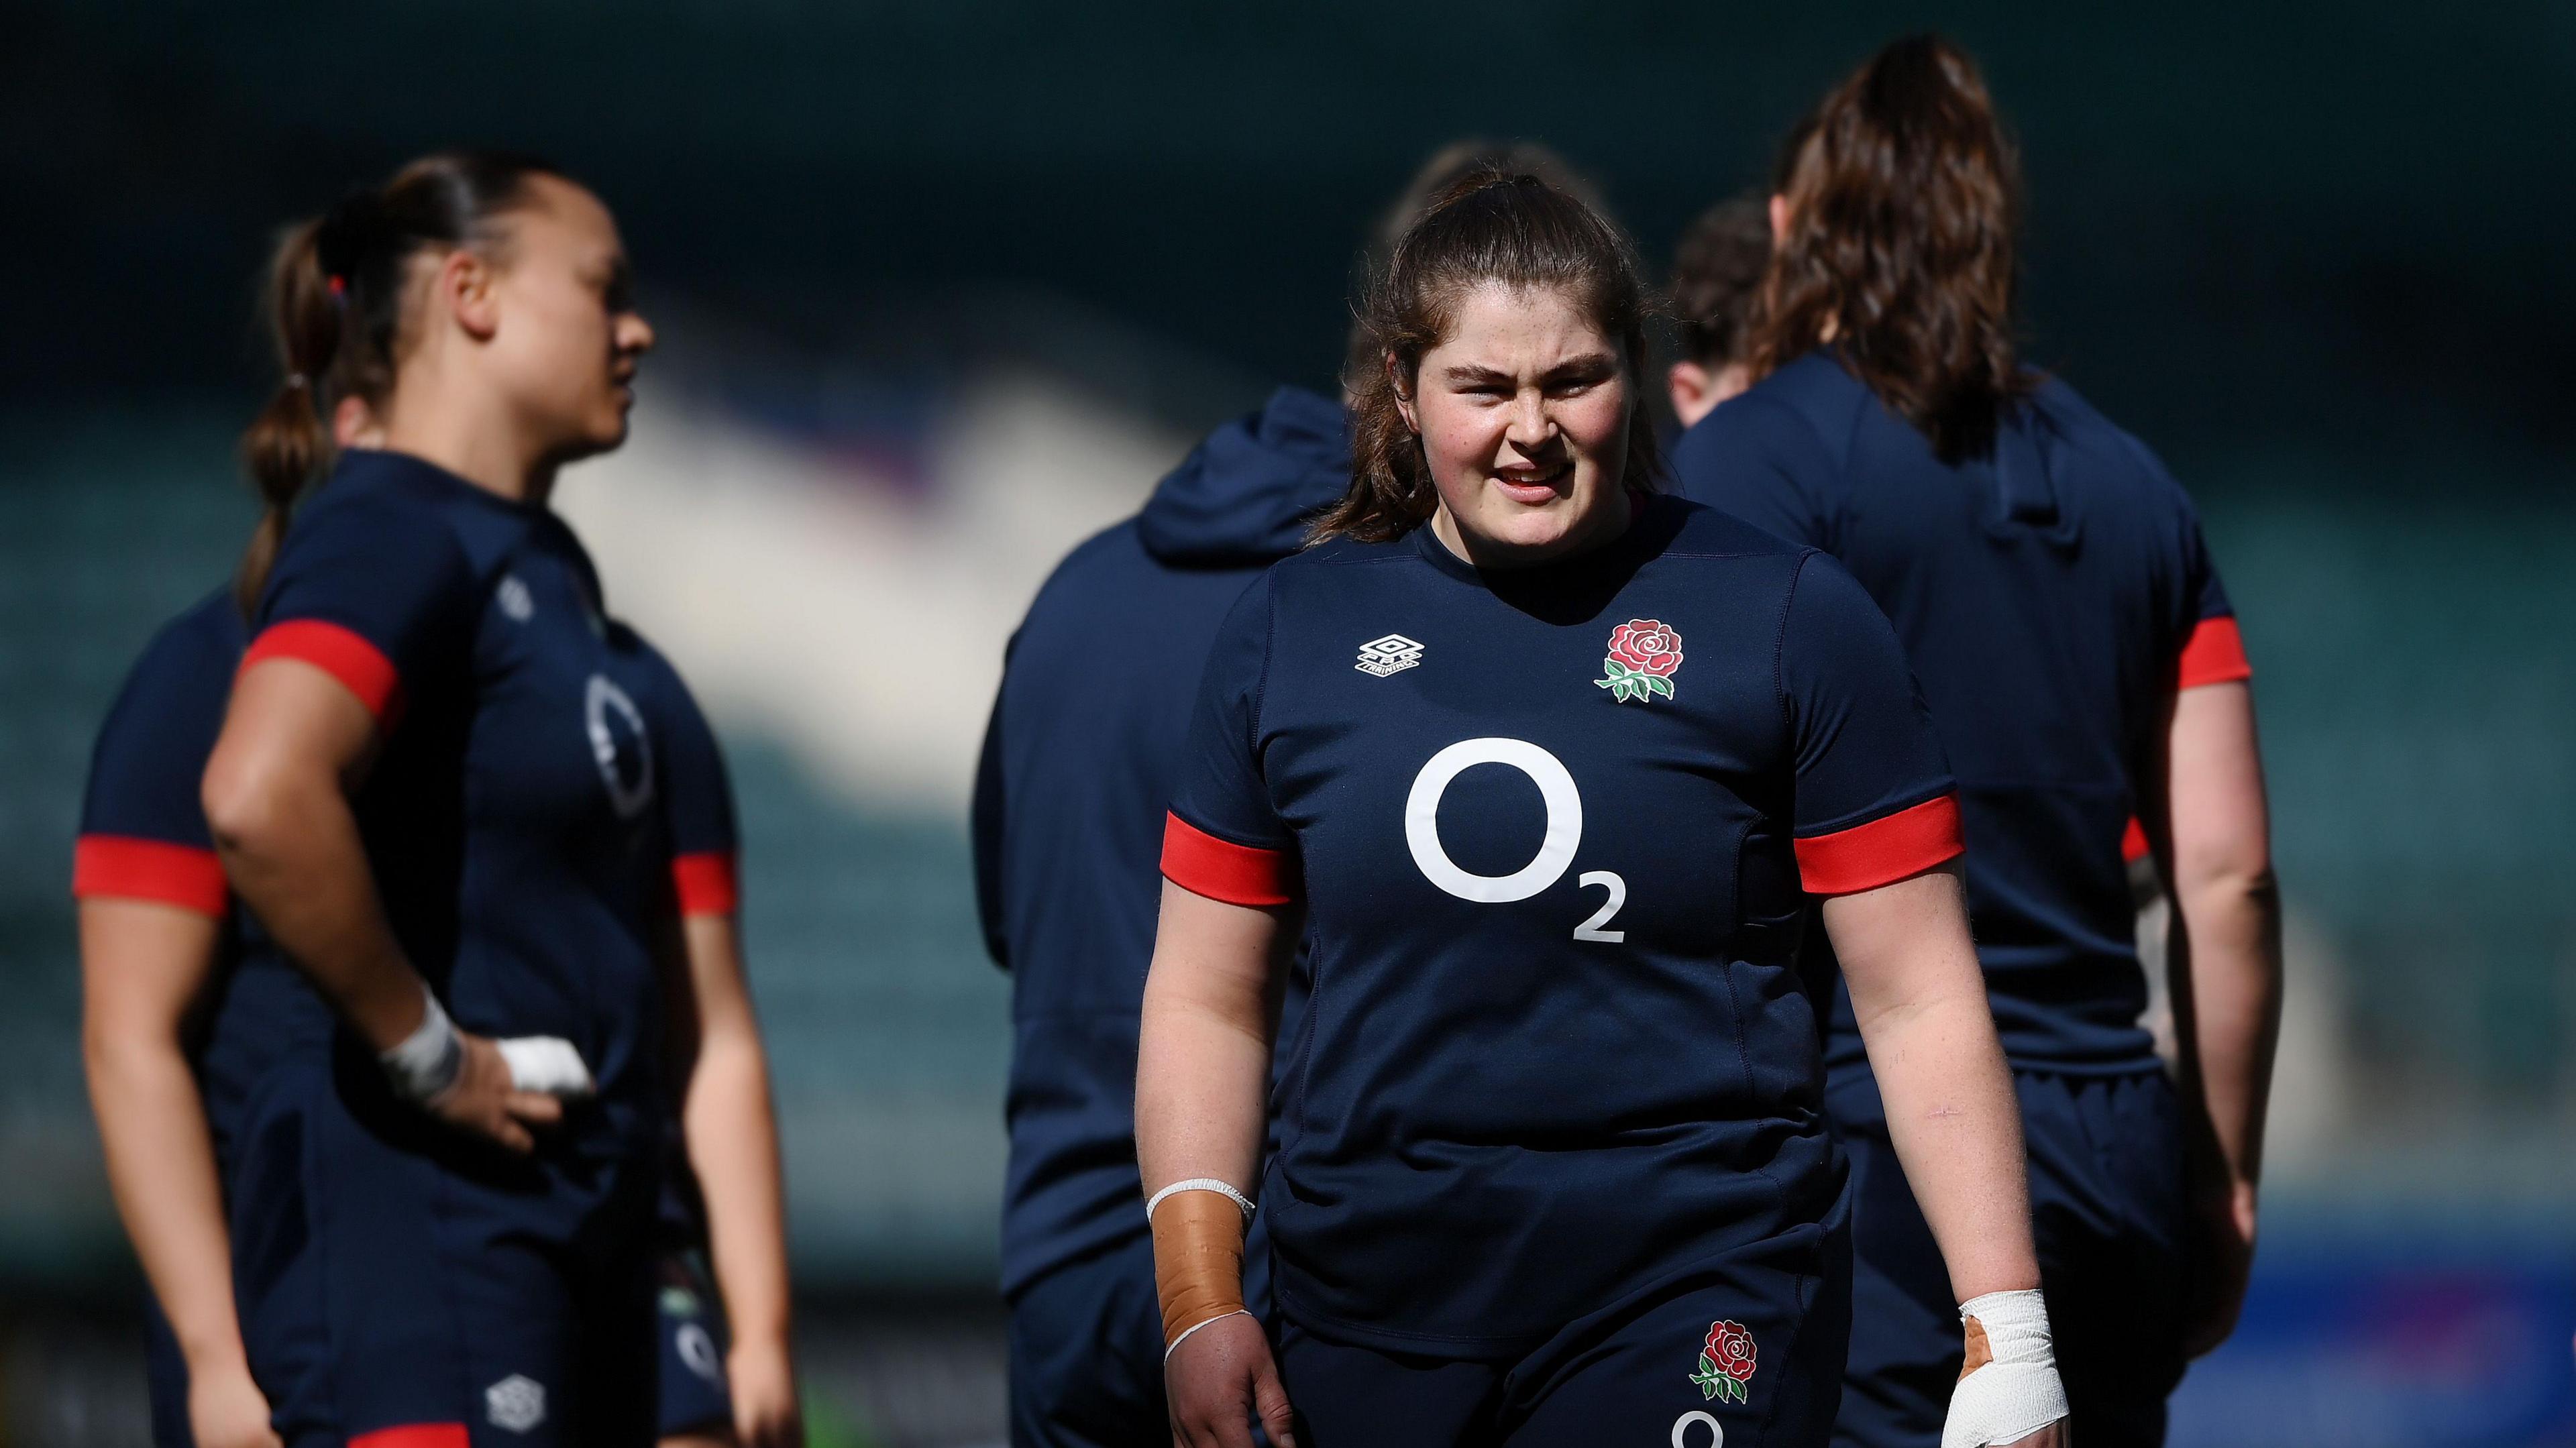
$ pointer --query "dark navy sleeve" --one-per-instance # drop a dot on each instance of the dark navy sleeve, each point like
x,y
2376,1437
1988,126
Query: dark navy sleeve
x,y
1875,802
143,834
2209,648
378,595
1758,459
2213,650
1223,838
984,826
704,846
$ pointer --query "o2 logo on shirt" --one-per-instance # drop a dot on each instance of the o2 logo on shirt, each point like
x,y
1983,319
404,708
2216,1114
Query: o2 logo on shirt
x,y
1555,850
621,745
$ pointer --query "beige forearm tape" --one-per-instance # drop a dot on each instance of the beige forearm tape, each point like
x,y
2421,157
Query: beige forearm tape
x,y
1198,1260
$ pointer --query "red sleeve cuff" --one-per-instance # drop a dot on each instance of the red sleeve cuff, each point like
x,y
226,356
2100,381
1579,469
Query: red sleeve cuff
x,y
342,653
1202,864
1883,851
414,1435
121,867
2133,842
706,883
2214,654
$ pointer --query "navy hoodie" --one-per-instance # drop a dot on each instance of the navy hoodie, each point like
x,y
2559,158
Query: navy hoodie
x,y
1079,763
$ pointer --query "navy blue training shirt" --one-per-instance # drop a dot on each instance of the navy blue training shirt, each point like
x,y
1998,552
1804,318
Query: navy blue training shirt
x,y
143,833
1553,830
1083,753
2051,597
511,819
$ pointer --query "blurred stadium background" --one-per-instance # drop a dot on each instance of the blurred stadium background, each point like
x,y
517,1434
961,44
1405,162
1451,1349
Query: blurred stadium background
x,y
943,288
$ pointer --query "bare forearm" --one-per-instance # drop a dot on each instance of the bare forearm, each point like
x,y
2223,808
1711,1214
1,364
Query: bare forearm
x,y
732,1134
1201,1087
1957,1130
2227,951
1203,1049
161,1168
294,853
1920,1000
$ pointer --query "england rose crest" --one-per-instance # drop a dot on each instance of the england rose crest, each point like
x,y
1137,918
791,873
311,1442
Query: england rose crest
x,y
1643,656
1725,1362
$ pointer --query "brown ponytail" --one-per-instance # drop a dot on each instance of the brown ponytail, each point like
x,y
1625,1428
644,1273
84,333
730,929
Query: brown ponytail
x,y
288,443
1904,197
1496,223
335,309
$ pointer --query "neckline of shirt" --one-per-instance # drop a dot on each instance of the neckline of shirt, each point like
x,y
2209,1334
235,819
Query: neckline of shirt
x,y
412,467
1637,537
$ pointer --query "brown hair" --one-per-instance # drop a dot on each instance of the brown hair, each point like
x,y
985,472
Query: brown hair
x,y
1495,223
335,304
1717,270
1904,196
1443,169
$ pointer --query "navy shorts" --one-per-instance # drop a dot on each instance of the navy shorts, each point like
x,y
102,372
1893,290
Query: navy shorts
x,y
1745,1351
1087,1348
690,1330
2107,1208
402,1287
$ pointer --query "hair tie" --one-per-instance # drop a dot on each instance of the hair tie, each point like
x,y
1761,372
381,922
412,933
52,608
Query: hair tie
x,y
339,286
297,382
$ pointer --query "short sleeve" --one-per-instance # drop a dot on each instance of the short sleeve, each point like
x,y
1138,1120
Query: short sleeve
x,y
1223,839
143,833
1875,801
2212,651
1757,459
376,595
698,799
2208,648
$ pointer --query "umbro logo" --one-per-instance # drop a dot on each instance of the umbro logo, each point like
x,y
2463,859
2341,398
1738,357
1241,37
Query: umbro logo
x,y
1392,654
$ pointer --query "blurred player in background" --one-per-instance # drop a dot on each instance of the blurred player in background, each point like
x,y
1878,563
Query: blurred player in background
x,y
1553,1167
159,940
2081,662
1079,764
438,785
1717,269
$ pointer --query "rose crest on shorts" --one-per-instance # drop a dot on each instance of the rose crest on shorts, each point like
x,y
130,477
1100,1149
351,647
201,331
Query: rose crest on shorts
x,y
1643,655
1725,1362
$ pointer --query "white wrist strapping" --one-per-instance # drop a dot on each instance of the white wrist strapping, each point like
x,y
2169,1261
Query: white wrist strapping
x,y
427,1061
2018,1393
1198,1184
1193,1327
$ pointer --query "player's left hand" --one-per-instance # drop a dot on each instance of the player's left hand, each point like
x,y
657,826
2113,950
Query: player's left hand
x,y
762,1381
2223,1261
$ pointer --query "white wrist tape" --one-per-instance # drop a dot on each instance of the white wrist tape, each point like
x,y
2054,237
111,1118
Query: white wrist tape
x,y
427,1061
2018,1393
1197,1184
1185,1334
546,1063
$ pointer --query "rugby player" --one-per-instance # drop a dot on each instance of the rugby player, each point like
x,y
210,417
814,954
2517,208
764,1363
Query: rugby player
x,y
1542,768
2082,664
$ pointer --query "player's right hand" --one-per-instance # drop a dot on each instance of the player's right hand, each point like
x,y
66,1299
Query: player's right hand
x,y
1218,1379
225,1410
485,1098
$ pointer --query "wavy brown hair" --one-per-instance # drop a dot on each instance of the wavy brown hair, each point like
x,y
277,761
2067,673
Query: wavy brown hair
x,y
1904,196
1494,223
335,304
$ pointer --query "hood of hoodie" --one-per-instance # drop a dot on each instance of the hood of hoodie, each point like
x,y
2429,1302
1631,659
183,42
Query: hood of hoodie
x,y
1242,497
